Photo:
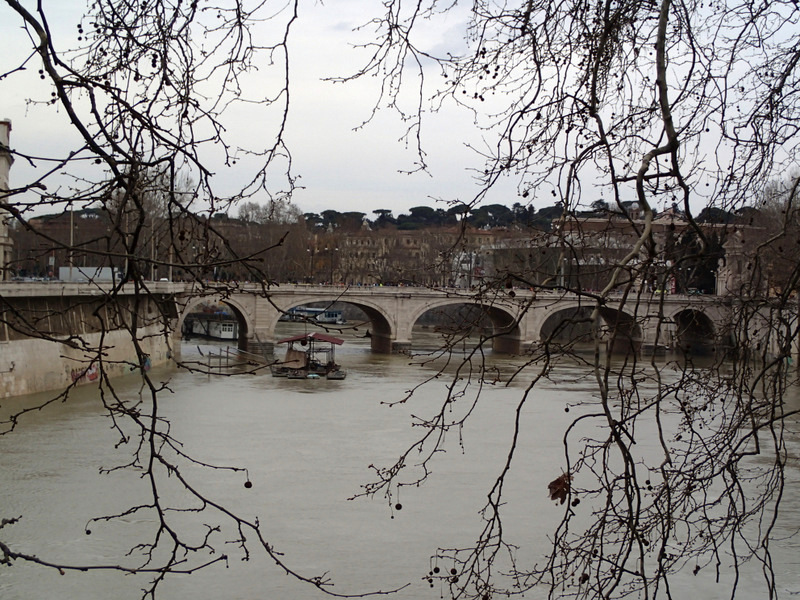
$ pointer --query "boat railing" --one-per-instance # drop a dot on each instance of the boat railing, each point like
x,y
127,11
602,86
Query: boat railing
x,y
232,357
252,356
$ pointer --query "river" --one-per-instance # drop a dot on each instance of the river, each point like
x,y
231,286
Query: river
x,y
307,446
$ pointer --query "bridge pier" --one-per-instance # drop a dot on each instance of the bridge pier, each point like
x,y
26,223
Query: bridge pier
x,y
624,345
383,343
401,347
254,345
507,345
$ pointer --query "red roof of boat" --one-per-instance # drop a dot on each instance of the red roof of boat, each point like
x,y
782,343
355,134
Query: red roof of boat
x,y
316,335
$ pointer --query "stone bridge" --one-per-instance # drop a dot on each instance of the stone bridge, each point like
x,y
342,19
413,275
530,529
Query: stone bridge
x,y
519,318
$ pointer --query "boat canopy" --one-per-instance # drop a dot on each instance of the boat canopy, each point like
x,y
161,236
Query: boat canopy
x,y
315,336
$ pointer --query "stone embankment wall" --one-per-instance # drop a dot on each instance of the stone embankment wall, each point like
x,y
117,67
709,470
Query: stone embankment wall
x,y
51,343
34,365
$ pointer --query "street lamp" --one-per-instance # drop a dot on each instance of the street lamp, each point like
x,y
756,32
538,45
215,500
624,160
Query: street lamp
x,y
311,251
330,252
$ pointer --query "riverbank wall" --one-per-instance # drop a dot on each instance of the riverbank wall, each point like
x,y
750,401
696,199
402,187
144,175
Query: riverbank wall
x,y
55,334
28,366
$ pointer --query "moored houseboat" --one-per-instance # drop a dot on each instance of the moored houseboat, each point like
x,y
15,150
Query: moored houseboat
x,y
328,316
309,356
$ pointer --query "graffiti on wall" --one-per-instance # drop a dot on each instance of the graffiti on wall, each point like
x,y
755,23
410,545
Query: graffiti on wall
x,y
89,373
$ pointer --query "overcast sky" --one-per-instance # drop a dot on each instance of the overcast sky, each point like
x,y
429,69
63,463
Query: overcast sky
x,y
339,168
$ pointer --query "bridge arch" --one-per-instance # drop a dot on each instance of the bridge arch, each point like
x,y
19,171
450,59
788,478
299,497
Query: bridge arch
x,y
507,335
383,328
620,331
694,332
240,310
